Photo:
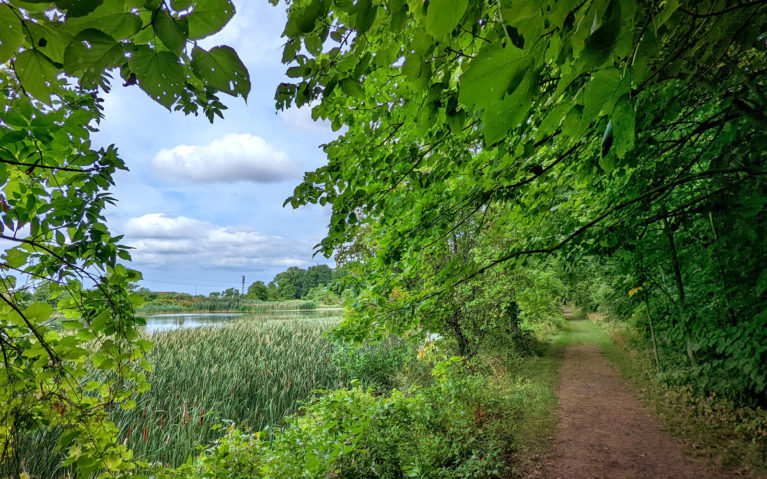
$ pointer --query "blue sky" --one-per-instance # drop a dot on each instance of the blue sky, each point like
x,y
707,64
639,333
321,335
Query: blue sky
x,y
202,204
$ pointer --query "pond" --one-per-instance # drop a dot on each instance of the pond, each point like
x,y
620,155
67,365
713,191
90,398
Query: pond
x,y
158,323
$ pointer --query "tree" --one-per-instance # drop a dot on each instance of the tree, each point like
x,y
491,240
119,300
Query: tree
x,y
592,123
56,60
259,291
230,293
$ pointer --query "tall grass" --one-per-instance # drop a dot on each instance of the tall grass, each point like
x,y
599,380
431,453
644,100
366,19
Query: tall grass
x,y
224,305
249,372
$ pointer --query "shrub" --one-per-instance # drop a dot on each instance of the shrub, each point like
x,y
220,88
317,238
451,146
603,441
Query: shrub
x,y
429,432
374,365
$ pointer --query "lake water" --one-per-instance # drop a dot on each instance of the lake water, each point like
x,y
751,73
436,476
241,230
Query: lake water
x,y
158,323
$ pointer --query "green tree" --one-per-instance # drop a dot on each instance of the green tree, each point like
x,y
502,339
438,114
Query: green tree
x,y
57,59
259,291
230,293
601,127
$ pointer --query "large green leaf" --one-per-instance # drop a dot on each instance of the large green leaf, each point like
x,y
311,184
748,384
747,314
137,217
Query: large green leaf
x,y
111,18
49,38
11,33
601,43
443,16
222,69
172,33
601,93
492,72
90,54
78,8
623,124
159,74
511,111
37,74
208,16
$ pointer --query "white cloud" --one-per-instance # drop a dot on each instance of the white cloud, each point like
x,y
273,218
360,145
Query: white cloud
x,y
231,159
160,241
301,119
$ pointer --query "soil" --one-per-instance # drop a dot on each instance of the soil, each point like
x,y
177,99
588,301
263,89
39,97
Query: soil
x,y
604,432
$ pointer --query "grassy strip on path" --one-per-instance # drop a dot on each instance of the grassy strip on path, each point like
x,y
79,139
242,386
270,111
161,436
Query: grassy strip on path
x,y
537,400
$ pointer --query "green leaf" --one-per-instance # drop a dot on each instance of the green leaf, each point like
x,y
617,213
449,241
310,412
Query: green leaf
x,y
90,54
100,321
623,123
601,93
352,87
222,69
411,68
50,38
159,74
179,5
307,18
208,17
78,8
11,33
511,111
443,16
37,74
172,33
492,72
15,258
38,312
601,43
366,16
111,18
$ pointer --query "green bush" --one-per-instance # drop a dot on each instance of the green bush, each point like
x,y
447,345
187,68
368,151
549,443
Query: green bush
x,y
429,432
374,365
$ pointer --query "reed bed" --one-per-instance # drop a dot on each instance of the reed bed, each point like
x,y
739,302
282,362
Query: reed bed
x,y
250,373
224,305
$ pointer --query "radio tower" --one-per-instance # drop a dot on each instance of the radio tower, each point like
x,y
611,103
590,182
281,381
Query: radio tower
x,y
243,286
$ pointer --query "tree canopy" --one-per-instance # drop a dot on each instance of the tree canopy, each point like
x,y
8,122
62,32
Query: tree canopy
x,y
629,130
56,61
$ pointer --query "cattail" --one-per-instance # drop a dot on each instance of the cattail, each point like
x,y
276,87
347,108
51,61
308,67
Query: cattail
x,y
146,433
130,431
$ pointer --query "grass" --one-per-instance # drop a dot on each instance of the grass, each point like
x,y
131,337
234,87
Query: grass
x,y
223,305
252,373
249,373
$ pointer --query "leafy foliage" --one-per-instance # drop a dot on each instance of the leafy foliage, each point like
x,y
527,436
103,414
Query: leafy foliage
x,y
55,60
435,431
628,130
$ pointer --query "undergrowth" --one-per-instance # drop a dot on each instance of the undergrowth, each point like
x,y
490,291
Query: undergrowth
x,y
729,436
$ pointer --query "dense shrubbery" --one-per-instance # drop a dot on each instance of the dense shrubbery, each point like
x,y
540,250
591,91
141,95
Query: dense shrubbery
x,y
374,365
434,431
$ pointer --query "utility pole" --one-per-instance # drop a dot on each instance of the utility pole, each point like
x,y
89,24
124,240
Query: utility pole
x,y
243,286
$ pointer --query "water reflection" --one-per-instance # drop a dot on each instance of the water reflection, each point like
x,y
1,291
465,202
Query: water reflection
x,y
158,323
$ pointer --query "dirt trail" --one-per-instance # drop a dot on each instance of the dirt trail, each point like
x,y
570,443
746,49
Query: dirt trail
x,y
605,433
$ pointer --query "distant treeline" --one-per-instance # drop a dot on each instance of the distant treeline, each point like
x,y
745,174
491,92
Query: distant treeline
x,y
294,288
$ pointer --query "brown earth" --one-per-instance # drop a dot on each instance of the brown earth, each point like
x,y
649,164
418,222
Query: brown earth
x,y
604,433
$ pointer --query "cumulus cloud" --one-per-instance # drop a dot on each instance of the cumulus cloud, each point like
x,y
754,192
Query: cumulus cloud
x,y
162,241
231,159
301,119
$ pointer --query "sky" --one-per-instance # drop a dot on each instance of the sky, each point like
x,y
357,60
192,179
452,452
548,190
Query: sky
x,y
202,203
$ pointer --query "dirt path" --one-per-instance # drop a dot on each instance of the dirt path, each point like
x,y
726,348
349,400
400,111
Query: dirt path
x,y
605,433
